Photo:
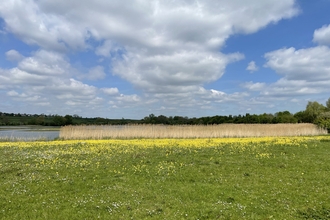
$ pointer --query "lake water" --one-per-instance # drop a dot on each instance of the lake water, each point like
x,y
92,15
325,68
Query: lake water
x,y
29,132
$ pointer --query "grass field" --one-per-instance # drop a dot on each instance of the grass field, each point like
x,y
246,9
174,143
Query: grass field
x,y
229,178
189,131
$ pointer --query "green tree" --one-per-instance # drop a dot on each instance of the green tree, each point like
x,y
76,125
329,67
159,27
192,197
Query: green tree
x,y
328,104
313,110
323,120
40,120
4,120
68,120
59,120
301,117
285,117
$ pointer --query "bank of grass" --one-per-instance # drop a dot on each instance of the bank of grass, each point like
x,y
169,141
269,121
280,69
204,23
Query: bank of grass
x,y
231,178
189,131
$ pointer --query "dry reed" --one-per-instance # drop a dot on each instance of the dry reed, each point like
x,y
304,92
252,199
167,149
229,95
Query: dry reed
x,y
189,131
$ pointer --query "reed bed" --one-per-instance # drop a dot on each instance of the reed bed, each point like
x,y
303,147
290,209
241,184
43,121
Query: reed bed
x,y
189,131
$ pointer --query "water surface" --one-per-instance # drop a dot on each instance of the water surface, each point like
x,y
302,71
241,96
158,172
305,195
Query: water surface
x,y
29,132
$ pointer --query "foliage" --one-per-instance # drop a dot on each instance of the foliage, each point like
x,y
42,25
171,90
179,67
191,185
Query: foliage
x,y
309,115
313,110
249,178
323,120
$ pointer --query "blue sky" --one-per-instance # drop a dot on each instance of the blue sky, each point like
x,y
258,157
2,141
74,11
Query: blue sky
x,y
186,57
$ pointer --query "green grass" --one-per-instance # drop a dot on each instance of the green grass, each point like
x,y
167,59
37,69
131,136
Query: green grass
x,y
82,180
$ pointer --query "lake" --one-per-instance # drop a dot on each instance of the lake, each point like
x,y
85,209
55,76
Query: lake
x,y
29,132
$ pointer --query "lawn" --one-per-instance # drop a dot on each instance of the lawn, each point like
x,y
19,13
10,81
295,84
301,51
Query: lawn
x,y
228,178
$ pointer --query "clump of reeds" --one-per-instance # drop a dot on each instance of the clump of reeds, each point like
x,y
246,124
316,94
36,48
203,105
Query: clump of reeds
x,y
189,131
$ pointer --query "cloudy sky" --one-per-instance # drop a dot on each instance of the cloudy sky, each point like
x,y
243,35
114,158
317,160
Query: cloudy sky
x,y
190,58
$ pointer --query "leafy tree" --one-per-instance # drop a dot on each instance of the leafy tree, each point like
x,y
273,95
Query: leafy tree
x,y
301,117
162,119
68,120
32,121
328,104
285,117
150,119
313,110
323,120
4,120
40,120
266,118
59,120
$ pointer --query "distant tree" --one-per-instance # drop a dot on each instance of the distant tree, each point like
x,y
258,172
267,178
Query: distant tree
x,y
285,117
323,120
40,120
4,120
32,121
328,104
162,119
59,120
150,119
266,118
301,117
68,120
313,110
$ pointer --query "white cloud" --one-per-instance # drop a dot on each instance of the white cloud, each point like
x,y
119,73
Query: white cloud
x,y
96,73
110,91
45,63
311,64
17,77
73,89
128,98
252,67
322,35
254,86
304,72
163,31
26,19
294,88
12,93
108,49
172,73
14,55
167,49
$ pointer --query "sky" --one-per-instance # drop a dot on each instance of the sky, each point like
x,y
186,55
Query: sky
x,y
194,58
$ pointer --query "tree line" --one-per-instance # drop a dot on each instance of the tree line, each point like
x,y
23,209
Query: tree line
x,y
314,113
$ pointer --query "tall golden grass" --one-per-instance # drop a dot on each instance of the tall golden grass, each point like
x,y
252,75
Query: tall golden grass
x,y
189,131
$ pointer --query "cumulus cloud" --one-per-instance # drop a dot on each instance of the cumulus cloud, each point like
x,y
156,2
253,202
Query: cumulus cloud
x,y
110,91
303,72
73,89
254,86
169,73
166,49
177,32
45,63
252,67
96,73
311,64
14,55
322,35
35,26
128,98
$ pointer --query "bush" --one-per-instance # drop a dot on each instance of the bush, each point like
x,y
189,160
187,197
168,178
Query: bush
x,y
323,121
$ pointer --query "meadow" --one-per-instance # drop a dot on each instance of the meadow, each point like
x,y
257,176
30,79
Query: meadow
x,y
189,131
210,178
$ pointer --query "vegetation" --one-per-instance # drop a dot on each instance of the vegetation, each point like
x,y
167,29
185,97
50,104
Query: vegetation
x,y
314,113
228,178
57,120
189,131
